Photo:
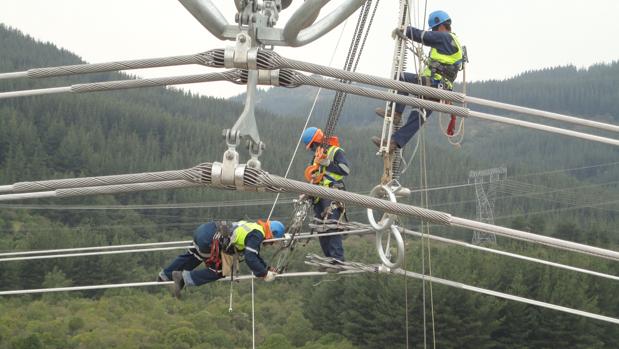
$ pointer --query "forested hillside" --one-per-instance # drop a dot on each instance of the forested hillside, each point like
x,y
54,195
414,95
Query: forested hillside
x,y
159,129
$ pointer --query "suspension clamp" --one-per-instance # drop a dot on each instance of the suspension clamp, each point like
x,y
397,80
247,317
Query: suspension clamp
x,y
242,55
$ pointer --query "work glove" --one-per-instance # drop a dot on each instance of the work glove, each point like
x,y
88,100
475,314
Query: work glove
x,y
270,276
324,162
399,32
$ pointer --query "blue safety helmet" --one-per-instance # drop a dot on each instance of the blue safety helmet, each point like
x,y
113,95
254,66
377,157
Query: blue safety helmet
x,y
308,135
437,18
277,229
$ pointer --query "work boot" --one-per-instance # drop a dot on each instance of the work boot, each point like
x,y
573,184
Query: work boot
x,y
161,277
179,283
396,116
392,147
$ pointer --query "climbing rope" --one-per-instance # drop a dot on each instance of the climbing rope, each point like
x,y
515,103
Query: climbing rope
x,y
253,315
425,230
405,299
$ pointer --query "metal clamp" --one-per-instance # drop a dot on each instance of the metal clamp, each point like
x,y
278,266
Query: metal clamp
x,y
216,174
268,77
239,176
387,219
236,57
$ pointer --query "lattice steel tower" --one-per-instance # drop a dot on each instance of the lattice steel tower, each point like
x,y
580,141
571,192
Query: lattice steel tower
x,y
486,183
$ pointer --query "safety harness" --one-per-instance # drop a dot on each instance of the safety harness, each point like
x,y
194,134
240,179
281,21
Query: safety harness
x,y
445,68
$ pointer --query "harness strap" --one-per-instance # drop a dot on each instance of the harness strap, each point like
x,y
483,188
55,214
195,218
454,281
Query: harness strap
x,y
215,258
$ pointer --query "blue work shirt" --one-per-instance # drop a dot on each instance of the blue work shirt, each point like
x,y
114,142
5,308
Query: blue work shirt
x,y
443,42
253,241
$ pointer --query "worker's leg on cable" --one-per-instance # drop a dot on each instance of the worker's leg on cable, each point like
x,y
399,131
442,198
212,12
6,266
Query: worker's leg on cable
x,y
402,136
200,277
407,134
192,278
187,261
406,77
319,208
331,245
399,108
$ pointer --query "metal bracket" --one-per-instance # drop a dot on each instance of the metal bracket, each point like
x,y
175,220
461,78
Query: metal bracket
x,y
246,123
262,15
224,173
255,150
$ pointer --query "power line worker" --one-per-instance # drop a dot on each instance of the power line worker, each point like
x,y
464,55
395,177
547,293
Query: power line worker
x,y
443,65
215,244
328,168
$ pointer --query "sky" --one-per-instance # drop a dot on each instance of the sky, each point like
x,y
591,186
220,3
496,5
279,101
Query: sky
x,y
503,38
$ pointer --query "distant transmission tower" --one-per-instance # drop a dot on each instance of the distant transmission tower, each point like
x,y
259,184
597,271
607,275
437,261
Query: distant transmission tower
x,y
486,182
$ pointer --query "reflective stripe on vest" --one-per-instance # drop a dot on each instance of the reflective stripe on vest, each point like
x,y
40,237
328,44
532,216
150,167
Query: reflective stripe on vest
x,y
240,233
330,177
446,60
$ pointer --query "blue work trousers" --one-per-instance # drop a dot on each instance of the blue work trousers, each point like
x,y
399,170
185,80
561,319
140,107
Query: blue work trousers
x,y
187,263
331,245
414,121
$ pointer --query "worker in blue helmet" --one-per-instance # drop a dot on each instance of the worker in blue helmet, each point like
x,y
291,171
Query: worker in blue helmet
x,y
443,64
328,168
215,244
